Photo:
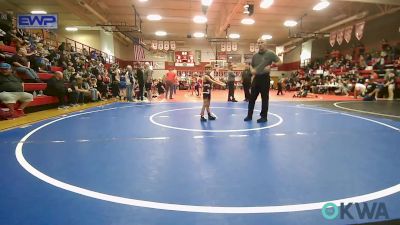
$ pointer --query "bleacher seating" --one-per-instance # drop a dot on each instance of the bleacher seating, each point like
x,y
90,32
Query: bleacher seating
x,y
45,76
8,49
56,68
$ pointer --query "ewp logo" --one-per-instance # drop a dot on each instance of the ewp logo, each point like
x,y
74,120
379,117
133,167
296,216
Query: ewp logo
x,y
331,211
32,21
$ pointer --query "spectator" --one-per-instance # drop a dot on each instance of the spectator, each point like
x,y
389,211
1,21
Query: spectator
x,y
170,79
140,81
148,79
56,87
246,82
78,90
231,84
130,84
11,91
390,84
22,65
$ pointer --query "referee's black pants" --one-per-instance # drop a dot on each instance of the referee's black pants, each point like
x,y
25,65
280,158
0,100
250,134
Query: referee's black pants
x,y
260,85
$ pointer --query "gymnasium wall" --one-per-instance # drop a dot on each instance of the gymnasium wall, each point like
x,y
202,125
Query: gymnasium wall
x,y
88,37
386,27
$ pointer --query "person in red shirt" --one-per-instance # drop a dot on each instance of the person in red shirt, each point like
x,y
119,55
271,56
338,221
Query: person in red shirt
x,y
170,79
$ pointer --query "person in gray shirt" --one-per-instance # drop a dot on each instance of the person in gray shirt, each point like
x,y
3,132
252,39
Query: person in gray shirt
x,y
148,80
231,84
261,65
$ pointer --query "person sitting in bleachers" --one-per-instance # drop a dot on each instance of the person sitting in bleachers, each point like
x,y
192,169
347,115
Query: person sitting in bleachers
x,y
22,65
56,87
11,91
78,90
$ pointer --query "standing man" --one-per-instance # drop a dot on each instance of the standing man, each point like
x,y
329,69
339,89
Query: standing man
x,y
148,79
246,82
231,84
170,79
140,81
261,66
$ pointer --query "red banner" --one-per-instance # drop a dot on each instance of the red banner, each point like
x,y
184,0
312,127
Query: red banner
x,y
339,36
359,31
347,33
332,38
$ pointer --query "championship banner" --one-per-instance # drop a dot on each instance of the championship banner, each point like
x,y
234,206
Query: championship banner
x,y
223,47
172,45
347,33
359,30
256,48
229,46
166,45
234,46
154,44
251,47
332,38
160,45
339,36
279,52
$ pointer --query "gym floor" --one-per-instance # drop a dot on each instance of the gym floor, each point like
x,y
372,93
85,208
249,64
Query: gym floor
x,y
142,163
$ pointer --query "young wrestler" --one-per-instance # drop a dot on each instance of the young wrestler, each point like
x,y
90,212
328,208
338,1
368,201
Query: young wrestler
x,y
207,86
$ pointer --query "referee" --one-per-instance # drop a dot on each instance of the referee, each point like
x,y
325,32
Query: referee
x,y
261,65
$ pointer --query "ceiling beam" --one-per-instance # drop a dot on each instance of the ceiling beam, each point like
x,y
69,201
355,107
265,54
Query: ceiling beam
x,y
229,17
381,2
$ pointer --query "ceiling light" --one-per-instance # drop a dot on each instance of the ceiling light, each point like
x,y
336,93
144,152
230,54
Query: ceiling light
x,y
321,5
290,23
206,2
161,33
247,21
198,35
142,0
154,17
266,37
266,3
38,12
71,29
200,19
234,36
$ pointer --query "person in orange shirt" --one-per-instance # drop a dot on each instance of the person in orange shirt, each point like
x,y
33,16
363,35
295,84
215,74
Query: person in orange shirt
x,y
170,79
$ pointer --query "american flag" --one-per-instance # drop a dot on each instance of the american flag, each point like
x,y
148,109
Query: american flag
x,y
138,50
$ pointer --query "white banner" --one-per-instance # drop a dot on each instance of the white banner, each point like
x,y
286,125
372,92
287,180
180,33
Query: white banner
x,y
279,52
229,46
347,33
339,36
154,44
332,38
172,45
166,45
223,48
234,46
252,49
160,45
360,30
